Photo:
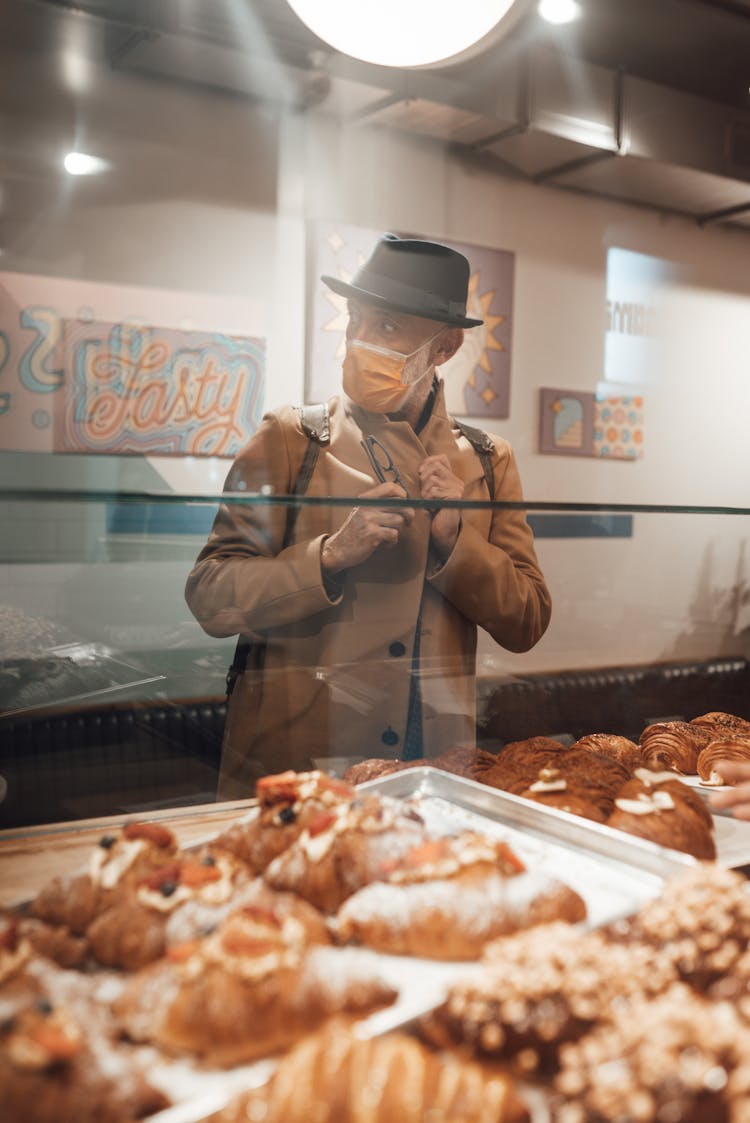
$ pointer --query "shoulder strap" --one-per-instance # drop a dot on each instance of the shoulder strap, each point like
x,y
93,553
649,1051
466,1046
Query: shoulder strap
x,y
483,447
316,426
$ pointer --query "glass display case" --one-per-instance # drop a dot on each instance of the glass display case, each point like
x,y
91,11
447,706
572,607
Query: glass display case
x,y
113,698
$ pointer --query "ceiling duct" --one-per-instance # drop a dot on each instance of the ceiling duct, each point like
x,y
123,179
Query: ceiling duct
x,y
537,112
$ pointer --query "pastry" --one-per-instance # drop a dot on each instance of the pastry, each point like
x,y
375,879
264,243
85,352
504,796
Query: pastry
x,y
196,918
701,920
131,932
717,720
335,1077
251,988
517,764
676,1057
465,761
448,897
374,768
540,988
621,749
346,848
58,1063
664,818
118,863
730,747
53,941
454,918
593,775
551,789
674,744
287,803
648,780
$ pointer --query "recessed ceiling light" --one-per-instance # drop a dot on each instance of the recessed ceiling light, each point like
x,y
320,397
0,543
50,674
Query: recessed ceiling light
x,y
80,163
559,11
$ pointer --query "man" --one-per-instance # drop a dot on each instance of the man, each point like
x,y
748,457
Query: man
x,y
362,620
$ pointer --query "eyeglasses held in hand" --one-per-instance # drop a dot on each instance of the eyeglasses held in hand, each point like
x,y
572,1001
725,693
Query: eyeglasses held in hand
x,y
382,461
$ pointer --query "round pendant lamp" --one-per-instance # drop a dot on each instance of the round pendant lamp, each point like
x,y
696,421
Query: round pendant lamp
x,y
409,33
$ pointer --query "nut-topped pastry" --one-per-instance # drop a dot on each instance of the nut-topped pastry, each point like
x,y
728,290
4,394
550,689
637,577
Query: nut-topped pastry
x,y
676,1057
541,988
252,987
287,803
701,920
334,1077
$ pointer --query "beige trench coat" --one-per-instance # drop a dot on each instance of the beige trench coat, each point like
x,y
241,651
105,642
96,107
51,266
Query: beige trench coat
x,y
331,676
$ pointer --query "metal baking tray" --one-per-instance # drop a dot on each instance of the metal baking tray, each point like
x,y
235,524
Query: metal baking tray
x,y
732,836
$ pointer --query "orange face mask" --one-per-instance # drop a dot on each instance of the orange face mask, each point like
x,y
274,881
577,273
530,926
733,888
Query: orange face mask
x,y
377,378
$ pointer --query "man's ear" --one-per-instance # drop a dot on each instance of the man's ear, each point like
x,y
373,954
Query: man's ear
x,y
447,345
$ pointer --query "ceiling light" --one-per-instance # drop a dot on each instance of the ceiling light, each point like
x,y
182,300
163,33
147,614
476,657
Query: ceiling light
x,y
408,33
80,163
559,11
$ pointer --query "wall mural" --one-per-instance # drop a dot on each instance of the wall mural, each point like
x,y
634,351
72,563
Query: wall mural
x,y
74,380
477,378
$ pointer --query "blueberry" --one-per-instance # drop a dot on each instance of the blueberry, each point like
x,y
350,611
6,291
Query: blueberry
x,y
168,888
208,860
44,1006
287,815
107,841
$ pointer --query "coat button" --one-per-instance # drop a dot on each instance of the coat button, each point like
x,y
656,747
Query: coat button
x,y
396,649
390,737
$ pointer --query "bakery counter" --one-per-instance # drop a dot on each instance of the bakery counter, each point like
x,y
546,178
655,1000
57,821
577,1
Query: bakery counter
x,y
297,953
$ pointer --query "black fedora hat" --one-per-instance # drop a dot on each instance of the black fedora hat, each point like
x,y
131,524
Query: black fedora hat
x,y
409,275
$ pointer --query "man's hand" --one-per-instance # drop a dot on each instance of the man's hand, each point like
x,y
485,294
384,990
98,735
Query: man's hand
x,y
438,482
737,799
364,529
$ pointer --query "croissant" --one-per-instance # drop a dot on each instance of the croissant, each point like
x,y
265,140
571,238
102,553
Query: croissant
x,y
517,764
725,748
662,818
248,990
621,749
287,803
674,744
551,789
333,1077
58,1063
730,722
346,848
454,918
374,768
119,863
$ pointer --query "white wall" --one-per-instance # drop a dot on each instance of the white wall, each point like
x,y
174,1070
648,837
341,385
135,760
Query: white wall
x,y
670,591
